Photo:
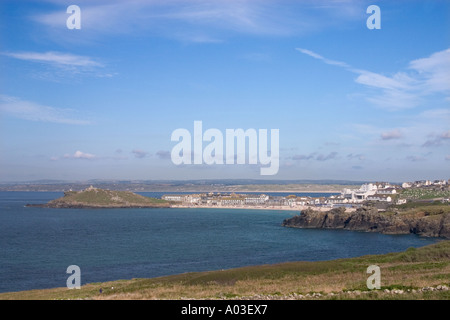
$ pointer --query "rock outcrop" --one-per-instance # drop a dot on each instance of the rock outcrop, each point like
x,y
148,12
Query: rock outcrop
x,y
370,220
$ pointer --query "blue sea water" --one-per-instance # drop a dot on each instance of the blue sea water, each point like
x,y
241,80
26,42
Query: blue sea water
x,y
38,244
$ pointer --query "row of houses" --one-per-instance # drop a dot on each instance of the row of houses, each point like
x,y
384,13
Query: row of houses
x,y
219,199
378,191
425,183
365,193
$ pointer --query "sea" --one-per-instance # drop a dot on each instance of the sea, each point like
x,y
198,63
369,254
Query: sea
x,y
39,244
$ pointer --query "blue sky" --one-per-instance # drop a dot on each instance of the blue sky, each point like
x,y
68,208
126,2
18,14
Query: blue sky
x,y
101,102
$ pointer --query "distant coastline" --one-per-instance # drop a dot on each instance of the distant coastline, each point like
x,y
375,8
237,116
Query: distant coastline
x,y
226,185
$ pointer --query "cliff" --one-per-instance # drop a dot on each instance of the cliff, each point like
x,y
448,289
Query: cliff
x,y
370,220
100,198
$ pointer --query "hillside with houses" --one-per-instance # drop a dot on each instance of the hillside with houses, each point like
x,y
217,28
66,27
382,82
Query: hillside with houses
x,y
379,192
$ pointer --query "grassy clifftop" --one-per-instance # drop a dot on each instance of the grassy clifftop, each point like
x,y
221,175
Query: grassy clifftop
x,y
100,198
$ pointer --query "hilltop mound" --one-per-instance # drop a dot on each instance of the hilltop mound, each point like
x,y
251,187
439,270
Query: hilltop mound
x,y
101,198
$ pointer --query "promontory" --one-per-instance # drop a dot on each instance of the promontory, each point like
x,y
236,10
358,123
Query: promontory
x,y
101,198
431,221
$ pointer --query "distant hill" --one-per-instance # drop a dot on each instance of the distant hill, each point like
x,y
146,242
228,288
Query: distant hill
x,y
206,185
100,198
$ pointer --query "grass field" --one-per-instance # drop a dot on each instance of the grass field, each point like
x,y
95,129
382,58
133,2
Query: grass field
x,y
422,273
424,193
434,208
108,198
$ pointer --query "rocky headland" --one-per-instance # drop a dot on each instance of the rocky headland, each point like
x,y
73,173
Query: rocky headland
x,y
369,219
101,198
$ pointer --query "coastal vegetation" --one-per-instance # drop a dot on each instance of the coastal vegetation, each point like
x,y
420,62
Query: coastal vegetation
x,y
417,273
425,193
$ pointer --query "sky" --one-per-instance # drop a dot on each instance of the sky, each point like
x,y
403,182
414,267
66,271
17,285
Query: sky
x,y
101,102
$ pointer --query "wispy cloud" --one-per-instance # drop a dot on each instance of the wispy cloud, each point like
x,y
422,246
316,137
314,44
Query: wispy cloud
x,y
139,153
358,156
437,140
316,156
319,57
53,65
391,135
33,111
415,158
435,71
55,58
403,89
204,20
162,154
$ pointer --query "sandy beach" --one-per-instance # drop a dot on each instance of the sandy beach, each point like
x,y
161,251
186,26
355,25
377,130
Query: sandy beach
x,y
284,208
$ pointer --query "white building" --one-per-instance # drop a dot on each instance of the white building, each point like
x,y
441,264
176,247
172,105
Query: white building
x,y
379,197
232,201
361,194
387,191
366,190
406,185
257,199
173,197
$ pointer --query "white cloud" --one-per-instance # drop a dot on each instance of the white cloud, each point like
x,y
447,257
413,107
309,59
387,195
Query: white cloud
x,y
319,57
399,81
435,71
32,111
404,89
60,64
80,155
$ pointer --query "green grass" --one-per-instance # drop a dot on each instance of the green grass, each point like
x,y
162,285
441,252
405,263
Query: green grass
x,y
101,197
435,208
424,193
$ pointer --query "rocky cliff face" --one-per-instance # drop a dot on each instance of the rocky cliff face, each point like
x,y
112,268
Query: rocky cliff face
x,y
370,220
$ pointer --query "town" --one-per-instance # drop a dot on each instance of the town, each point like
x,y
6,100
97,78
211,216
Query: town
x,y
379,192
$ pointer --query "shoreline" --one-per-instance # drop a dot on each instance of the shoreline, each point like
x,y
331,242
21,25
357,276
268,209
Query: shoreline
x,y
280,208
